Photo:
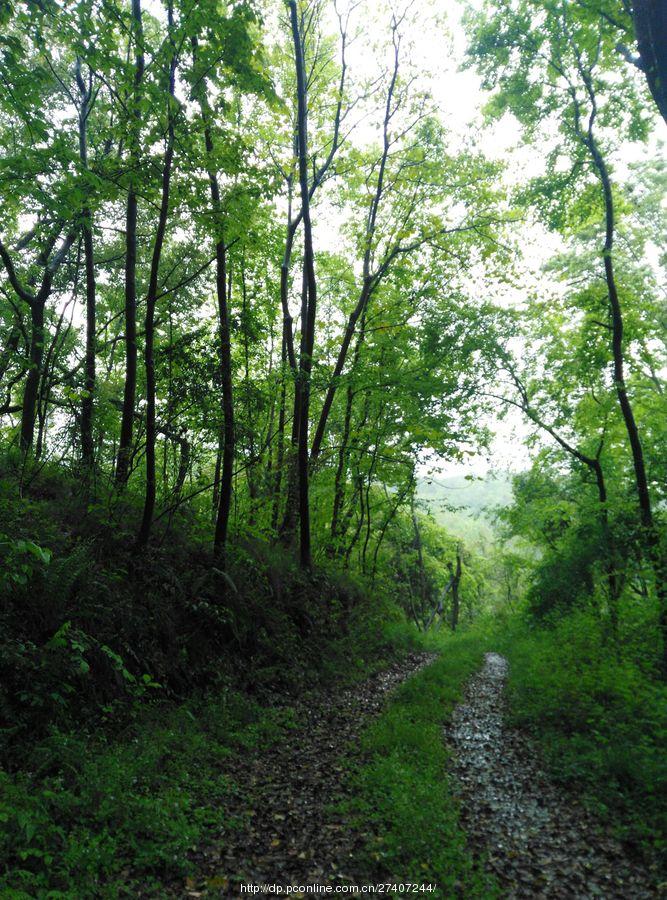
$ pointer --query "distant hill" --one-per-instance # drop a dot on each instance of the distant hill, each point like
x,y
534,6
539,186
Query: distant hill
x,y
464,506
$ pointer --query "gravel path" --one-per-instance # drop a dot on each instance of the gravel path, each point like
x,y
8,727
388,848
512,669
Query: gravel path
x,y
537,841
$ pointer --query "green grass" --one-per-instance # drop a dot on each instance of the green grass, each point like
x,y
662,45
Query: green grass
x,y
600,720
402,792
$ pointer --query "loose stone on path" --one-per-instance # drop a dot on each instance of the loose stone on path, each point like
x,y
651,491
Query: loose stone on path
x,y
538,841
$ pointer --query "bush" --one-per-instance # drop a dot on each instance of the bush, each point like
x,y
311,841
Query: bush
x,y
108,819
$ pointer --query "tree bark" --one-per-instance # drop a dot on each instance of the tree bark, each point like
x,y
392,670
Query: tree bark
x,y
29,406
130,388
151,300
280,453
650,21
225,346
307,326
36,303
88,400
650,535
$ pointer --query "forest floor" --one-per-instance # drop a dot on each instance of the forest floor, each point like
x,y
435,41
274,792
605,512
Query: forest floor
x,y
536,839
286,821
287,827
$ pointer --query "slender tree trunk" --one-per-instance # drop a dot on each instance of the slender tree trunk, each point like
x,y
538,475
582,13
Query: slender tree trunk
x,y
225,347
10,349
341,474
370,279
308,326
359,490
130,388
253,459
280,453
341,468
338,371
88,400
216,479
641,481
151,300
36,303
226,481
369,521
385,525
651,537
183,464
29,408
420,554
47,377
456,580
609,549
291,504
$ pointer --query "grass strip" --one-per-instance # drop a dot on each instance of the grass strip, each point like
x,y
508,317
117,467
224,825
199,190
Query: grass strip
x,y
404,804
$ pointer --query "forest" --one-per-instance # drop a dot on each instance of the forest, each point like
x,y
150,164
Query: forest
x,y
333,448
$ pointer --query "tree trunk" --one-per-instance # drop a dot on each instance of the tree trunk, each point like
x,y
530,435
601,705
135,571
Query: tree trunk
x,y
280,453
225,346
225,503
651,537
307,326
292,500
420,554
609,549
29,408
370,280
130,389
341,468
650,21
88,400
216,479
338,370
341,475
383,530
151,300
456,580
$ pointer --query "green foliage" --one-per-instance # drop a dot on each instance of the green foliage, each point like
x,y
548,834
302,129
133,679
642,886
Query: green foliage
x,y
90,633
415,261
600,719
106,818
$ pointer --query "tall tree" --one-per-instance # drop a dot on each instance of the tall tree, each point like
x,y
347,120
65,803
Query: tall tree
x,y
130,319
556,69
151,297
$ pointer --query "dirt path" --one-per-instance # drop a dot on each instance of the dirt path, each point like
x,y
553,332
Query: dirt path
x,y
288,834
538,842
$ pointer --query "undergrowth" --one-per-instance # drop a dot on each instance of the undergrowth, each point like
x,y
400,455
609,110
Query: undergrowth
x,y
600,718
90,629
101,818
127,680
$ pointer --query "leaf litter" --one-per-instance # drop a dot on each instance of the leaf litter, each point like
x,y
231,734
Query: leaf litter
x,y
281,824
